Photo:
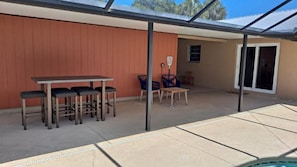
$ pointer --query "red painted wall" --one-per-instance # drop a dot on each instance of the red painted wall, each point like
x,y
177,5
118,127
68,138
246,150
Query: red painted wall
x,y
39,47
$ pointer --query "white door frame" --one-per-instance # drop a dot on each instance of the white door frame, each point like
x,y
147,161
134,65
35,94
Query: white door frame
x,y
257,46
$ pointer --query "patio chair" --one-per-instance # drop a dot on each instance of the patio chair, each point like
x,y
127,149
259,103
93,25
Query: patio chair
x,y
170,81
155,86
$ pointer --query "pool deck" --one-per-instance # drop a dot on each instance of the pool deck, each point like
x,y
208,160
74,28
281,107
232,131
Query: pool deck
x,y
225,141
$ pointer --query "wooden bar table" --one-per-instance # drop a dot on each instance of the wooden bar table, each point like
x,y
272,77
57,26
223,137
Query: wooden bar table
x,y
49,80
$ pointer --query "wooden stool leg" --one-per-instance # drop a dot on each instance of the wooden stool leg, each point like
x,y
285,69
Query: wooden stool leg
x,y
172,94
57,113
162,92
76,110
24,121
159,94
141,94
80,109
186,97
107,100
97,107
89,105
42,109
69,107
66,102
152,96
114,103
53,109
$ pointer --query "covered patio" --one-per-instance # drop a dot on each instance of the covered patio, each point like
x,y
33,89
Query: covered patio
x,y
208,131
267,129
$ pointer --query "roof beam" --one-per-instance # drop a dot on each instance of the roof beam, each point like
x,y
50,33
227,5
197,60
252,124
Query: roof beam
x,y
63,5
266,14
108,5
118,13
278,23
201,38
202,11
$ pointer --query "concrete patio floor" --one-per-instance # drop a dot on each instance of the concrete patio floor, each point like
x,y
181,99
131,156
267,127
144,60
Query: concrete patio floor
x,y
207,132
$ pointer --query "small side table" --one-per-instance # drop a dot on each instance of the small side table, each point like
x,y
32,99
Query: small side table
x,y
173,90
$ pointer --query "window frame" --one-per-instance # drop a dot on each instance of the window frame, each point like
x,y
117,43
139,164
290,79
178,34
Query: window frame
x,y
276,65
190,53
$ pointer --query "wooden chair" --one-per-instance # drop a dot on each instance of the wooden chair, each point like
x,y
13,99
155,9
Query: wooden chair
x,y
170,80
155,86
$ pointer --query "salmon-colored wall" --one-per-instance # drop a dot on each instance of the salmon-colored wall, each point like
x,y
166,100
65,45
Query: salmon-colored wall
x,y
39,47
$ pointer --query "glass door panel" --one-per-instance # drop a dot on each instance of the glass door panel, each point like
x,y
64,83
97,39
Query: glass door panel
x,y
265,71
249,66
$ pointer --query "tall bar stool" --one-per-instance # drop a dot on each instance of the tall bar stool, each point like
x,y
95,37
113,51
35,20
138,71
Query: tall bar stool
x,y
109,90
67,107
29,95
88,106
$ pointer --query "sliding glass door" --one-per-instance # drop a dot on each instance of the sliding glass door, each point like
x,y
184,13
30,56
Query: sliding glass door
x,y
261,67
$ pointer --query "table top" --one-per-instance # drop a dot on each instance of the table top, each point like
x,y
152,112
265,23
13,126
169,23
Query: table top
x,y
174,89
65,79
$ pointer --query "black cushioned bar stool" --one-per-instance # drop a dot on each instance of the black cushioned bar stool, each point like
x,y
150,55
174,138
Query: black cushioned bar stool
x,y
88,107
109,90
29,95
69,107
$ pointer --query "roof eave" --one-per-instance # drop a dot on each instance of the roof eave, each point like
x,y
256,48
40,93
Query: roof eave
x,y
145,17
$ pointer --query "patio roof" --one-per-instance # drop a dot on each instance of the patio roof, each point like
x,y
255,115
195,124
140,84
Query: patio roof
x,y
269,24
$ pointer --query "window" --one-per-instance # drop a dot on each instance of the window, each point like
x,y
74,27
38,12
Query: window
x,y
194,53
